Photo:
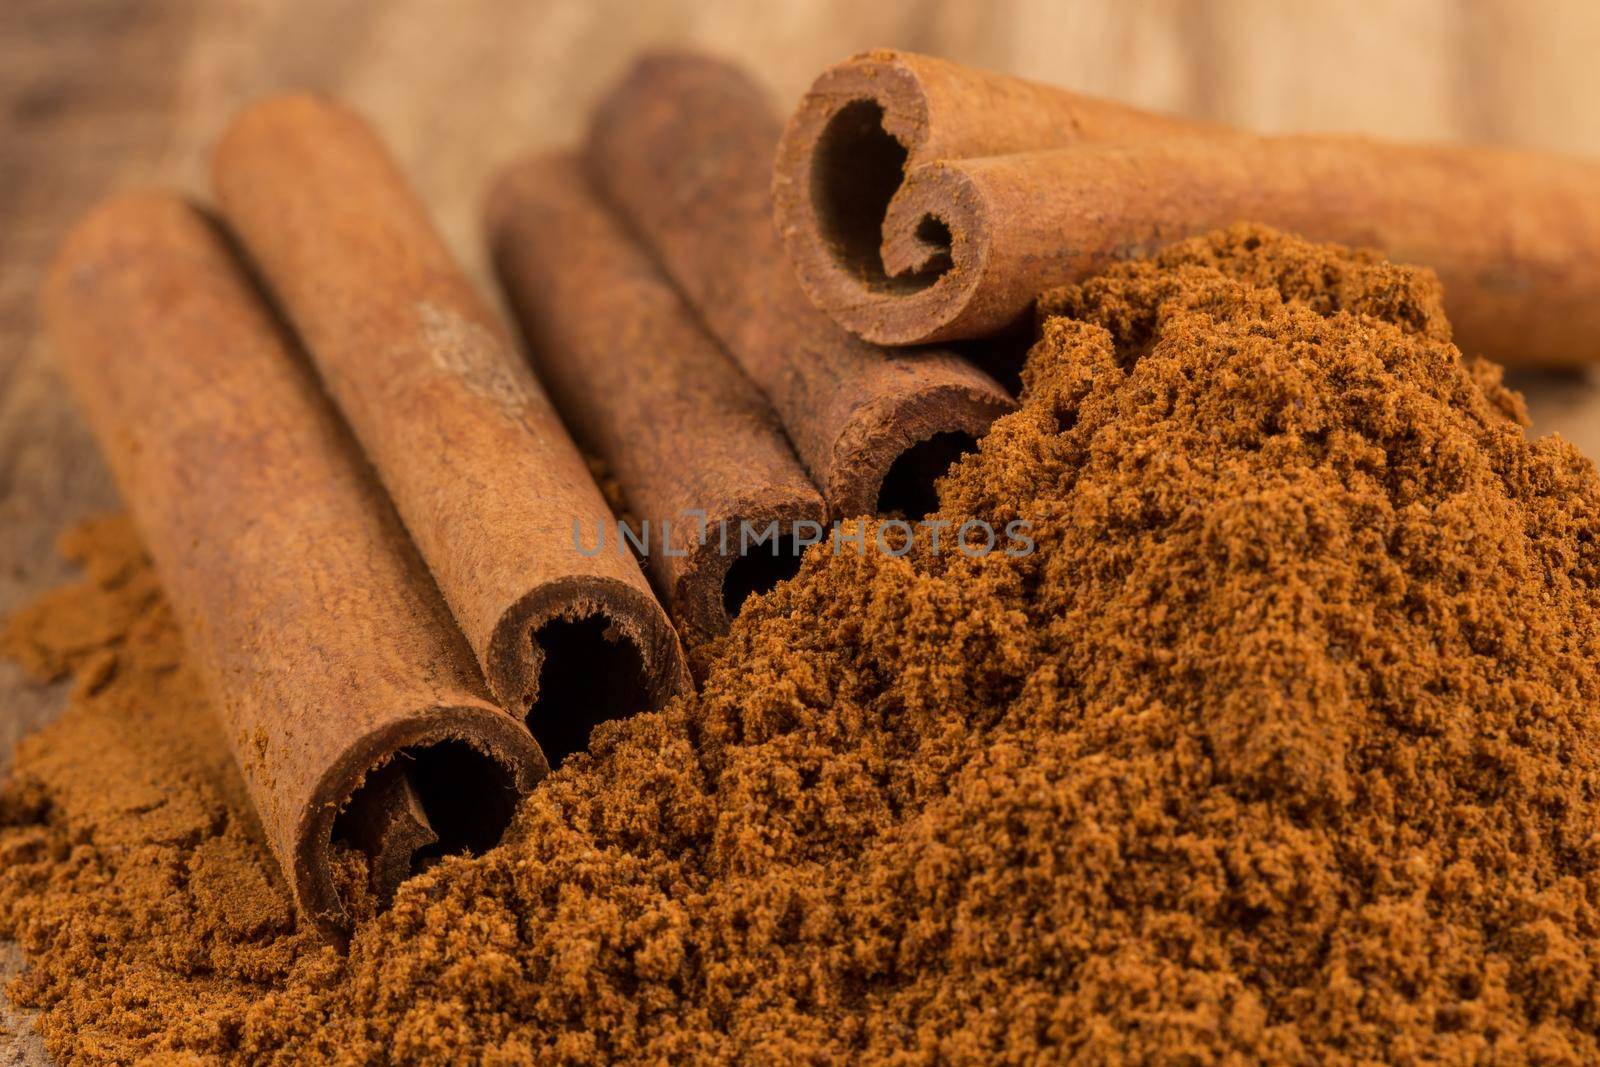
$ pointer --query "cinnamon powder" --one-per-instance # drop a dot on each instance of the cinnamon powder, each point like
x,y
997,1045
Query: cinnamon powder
x,y
1283,744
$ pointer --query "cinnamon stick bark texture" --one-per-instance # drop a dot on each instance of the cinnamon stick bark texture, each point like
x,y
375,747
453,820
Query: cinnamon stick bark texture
x,y
1514,238
333,662
683,148
486,479
921,202
696,449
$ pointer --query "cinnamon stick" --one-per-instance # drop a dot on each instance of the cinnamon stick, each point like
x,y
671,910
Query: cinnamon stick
x,y
339,675
921,202
683,148
696,449
868,121
483,474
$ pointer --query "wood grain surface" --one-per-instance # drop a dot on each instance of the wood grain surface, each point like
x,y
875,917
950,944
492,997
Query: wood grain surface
x,y
103,94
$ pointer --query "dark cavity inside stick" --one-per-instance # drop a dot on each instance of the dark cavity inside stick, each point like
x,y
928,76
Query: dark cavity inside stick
x,y
426,802
858,168
591,672
758,569
908,489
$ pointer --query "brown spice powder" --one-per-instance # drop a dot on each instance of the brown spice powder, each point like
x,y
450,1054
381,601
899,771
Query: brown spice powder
x,y
1284,744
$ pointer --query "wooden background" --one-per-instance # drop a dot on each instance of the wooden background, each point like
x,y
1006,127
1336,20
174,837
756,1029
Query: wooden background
x,y
99,95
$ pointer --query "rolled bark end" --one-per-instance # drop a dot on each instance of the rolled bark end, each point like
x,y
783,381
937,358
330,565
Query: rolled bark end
x,y
902,259
747,545
581,650
748,548
465,767
755,545
893,452
841,159
882,265
881,239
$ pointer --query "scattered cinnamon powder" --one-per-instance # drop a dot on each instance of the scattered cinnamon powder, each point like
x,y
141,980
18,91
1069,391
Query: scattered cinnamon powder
x,y
1284,744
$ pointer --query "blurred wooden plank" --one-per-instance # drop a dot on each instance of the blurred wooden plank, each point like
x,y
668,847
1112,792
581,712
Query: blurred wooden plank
x,y
86,94
1527,73
20,1046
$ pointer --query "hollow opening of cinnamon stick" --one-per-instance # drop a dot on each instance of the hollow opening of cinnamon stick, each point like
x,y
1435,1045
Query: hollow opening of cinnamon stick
x,y
856,170
590,672
424,803
759,569
908,488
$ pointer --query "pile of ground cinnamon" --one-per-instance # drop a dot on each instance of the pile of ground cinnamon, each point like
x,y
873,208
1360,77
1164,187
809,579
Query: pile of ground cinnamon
x,y
1283,743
